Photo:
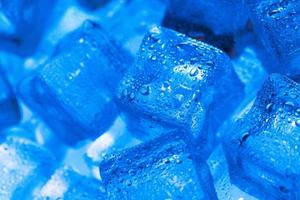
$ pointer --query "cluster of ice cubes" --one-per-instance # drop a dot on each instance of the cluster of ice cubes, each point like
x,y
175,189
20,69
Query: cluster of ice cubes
x,y
158,99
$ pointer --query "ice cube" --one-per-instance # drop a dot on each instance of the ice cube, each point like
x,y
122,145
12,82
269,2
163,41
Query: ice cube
x,y
277,23
178,82
164,168
72,92
262,147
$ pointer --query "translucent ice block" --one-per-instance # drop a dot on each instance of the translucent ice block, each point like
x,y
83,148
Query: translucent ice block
x,y
164,168
72,92
277,24
178,82
262,147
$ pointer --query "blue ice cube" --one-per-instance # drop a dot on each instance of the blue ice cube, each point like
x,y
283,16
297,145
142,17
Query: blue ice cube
x,y
164,168
72,92
221,16
67,184
262,147
23,166
22,24
277,23
178,82
10,113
